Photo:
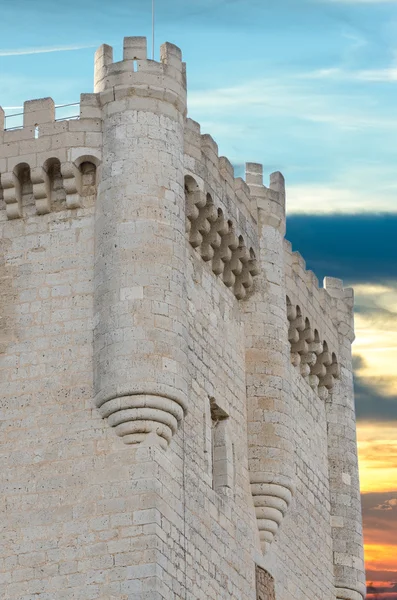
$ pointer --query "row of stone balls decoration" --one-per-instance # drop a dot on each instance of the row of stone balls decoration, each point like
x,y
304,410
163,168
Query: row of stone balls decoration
x,y
309,354
214,237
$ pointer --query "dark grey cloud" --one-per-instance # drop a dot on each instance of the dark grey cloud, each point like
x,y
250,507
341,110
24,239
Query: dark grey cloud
x,y
358,248
381,592
381,575
371,404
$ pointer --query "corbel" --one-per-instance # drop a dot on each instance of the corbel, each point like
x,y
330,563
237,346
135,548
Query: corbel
x,y
41,190
12,192
72,183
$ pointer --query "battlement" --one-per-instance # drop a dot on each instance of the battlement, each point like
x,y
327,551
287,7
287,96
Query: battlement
x,y
34,157
303,286
315,316
164,80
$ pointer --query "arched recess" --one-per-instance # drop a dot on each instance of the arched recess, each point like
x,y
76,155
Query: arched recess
x,y
265,589
88,166
22,172
192,205
191,184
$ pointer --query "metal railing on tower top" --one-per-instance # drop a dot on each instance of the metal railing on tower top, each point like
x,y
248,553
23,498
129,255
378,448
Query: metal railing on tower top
x,y
59,116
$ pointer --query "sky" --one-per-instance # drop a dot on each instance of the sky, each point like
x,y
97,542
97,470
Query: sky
x,y
306,87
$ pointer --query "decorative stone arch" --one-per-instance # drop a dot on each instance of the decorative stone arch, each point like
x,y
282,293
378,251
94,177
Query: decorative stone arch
x,y
23,174
88,166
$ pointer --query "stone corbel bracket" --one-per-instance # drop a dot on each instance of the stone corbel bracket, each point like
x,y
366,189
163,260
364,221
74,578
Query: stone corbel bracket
x,y
12,195
143,418
72,183
41,190
271,501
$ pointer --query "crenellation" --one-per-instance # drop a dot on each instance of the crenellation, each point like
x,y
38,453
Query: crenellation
x,y
176,389
90,107
210,149
135,48
242,192
226,169
38,112
64,141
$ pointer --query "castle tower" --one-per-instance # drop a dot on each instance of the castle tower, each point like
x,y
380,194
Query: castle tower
x,y
270,410
346,517
140,347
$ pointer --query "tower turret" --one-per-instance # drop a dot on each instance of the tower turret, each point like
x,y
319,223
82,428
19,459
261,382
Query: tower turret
x,y
140,330
346,520
270,440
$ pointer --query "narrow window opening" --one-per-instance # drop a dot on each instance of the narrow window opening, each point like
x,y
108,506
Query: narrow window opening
x,y
36,131
135,66
222,450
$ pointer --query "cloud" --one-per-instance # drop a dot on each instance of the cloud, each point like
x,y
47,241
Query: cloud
x,y
358,248
294,97
333,198
387,505
386,75
377,447
43,50
372,405
381,575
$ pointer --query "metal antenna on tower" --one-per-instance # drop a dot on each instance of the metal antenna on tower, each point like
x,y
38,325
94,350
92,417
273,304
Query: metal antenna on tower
x,y
153,13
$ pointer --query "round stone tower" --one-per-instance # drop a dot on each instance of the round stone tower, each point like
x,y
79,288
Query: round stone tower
x,y
270,410
140,341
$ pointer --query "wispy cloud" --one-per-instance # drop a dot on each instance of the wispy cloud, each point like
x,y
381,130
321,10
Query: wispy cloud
x,y
294,98
360,1
330,198
43,50
386,75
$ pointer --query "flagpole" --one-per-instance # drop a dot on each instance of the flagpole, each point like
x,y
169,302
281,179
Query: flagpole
x,y
153,8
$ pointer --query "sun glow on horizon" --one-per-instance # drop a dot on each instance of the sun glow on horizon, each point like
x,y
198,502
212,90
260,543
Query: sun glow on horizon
x,y
377,448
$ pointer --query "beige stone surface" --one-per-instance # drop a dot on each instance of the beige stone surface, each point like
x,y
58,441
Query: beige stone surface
x,y
176,395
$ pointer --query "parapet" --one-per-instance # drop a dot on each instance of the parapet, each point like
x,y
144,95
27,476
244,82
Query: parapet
x,y
222,215
270,200
164,80
317,315
214,175
43,145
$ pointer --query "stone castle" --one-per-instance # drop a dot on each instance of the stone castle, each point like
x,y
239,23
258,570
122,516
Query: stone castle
x,y
177,406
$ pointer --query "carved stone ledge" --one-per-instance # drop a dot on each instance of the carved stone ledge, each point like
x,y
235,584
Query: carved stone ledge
x,y
347,594
143,418
271,501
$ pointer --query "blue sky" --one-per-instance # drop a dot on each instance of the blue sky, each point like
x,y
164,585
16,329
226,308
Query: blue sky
x,y
307,87
303,86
